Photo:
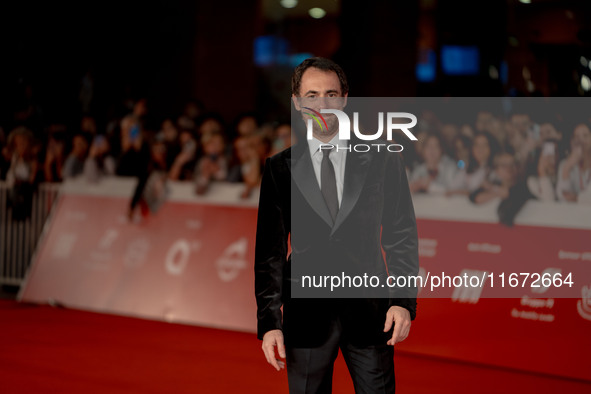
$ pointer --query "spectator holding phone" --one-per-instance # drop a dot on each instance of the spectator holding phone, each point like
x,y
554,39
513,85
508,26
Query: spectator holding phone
x,y
437,172
74,164
22,173
542,182
99,161
503,178
574,172
247,165
184,162
480,163
213,166
54,159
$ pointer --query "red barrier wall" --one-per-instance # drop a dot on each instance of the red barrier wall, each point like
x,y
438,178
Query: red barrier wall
x,y
192,262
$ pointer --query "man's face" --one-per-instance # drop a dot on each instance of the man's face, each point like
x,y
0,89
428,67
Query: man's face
x,y
320,90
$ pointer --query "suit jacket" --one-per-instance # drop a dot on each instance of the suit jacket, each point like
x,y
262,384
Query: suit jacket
x,y
376,213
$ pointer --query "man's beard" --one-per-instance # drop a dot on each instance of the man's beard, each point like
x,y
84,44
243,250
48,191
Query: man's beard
x,y
328,130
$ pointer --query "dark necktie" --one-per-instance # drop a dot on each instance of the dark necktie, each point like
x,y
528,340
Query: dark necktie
x,y
328,183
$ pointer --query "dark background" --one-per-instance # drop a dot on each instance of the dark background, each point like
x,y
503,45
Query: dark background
x,y
173,51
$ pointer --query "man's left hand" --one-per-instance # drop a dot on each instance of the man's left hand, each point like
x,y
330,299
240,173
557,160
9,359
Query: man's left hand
x,y
400,317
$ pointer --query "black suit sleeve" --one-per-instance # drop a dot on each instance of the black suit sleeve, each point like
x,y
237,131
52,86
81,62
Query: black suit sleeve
x,y
399,232
270,253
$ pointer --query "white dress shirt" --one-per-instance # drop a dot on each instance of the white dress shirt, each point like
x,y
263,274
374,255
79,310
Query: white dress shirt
x,y
338,160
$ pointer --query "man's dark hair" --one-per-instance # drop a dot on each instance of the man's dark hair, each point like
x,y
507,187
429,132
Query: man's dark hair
x,y
321,64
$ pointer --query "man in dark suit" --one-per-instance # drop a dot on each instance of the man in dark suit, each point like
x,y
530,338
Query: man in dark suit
x,y
338,208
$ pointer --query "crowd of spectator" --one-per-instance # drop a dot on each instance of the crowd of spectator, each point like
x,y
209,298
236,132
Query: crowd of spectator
x,y
511,158
197,146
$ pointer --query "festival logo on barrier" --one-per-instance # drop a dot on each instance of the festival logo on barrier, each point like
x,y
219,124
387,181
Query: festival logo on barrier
x,y
233,260
584,304
468,293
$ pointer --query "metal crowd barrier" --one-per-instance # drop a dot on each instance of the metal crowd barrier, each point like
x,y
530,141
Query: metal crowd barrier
x,y
19,236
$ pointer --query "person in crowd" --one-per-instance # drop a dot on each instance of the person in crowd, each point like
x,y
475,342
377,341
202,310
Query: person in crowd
x,y
4,155
542,179
210,123
462,146
449,133
503,178
188,120
99,162
184,163
169,136
437,172
54,158
88,125
135,152
574,172
263,145
74,164
213,166
22,173
283,138
23,163
246,124
539,182
484,148
247,165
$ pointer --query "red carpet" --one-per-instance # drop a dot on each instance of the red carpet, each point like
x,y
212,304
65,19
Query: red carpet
x,y
44,349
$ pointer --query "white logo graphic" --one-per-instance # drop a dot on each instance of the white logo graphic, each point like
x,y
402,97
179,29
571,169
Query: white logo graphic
x,y
136,253
232,260
345,125
551,272
467,293
584,304
177,257
63,246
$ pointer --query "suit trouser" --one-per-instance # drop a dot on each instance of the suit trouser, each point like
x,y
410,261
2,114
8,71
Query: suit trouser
x,y
309,370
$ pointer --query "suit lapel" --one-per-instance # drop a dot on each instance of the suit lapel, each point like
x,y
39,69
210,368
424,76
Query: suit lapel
x,y
356,169
303,174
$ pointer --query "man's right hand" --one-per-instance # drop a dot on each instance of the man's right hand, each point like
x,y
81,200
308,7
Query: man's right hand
x,y
270,340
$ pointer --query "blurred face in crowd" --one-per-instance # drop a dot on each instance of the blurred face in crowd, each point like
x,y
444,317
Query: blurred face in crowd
x,y
99,147
320,89
169,131
481,150
522,122
21,144
210,126
432,152
482,120
548,131
449,132
140,108
213,145
462,152
467,130
420,143
283,136
582,138
245,150
79,146
159,153
495,127
247,126
548,158
506,168
88,125
188,143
